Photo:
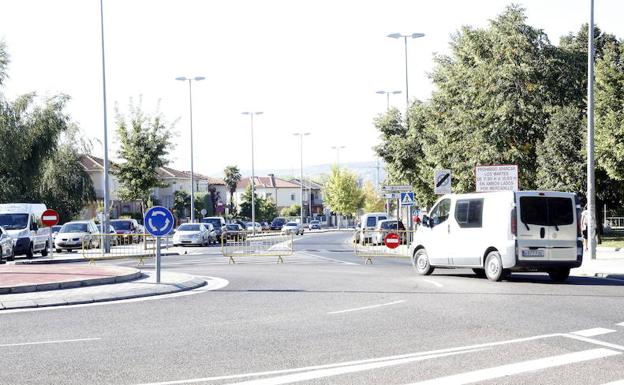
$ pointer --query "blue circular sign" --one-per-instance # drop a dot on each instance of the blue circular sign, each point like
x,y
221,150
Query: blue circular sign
x,y
158,221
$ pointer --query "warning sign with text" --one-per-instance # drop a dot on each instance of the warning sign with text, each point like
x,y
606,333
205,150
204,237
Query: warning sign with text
x,y
497,178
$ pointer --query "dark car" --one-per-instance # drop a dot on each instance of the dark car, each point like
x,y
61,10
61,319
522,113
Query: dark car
x,y
278,223
218,224
234,232
265,226
127,229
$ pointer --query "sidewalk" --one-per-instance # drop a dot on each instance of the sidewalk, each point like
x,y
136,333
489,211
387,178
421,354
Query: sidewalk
x,y
42,286
609,263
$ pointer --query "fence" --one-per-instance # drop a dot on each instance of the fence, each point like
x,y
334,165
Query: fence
x,y
372,243
264,244
140,246
615,223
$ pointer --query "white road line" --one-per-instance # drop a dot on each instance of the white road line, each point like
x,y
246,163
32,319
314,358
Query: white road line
x,y
50,342
366,307
327,258
595,342
593,332
520,367
434,283
620,324
620,382
323,373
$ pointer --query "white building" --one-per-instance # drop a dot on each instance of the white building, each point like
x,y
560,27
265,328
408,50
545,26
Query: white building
x,y
282,192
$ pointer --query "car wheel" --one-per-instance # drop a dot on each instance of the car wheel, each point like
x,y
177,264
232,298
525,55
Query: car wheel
x,y
29,253
421,262
58,250
559,275
12,256
479,272
494,266
44,252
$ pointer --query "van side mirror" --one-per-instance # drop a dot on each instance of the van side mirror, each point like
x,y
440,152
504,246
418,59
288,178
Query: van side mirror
x,y
33,226
427,221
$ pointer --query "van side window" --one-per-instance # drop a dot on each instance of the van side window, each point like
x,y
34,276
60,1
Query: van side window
x,y
469,212
441,212
371,221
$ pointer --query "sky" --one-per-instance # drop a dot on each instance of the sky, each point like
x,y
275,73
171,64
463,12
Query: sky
x,y
309,66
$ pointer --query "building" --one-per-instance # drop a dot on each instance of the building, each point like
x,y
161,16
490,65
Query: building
x,y
282,192
312,196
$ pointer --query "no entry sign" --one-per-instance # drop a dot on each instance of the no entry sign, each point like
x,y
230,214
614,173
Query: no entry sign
x,y
49,217
392,240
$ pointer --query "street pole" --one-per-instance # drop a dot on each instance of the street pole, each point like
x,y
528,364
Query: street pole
x,y
301,135
387,93
337,148
106,248
157,259
196,78
310,198
253,174
591,193
413,36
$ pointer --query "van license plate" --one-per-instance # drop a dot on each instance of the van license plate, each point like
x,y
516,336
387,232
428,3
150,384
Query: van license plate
x,y
532,253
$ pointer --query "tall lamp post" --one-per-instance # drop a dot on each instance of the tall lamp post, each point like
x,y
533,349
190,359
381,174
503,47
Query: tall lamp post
x,y
105,218
591,192
387,93
412,36
338,148
253,176
183,79
301,135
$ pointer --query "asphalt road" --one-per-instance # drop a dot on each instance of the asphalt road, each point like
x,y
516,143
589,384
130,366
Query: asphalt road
x,y
323,317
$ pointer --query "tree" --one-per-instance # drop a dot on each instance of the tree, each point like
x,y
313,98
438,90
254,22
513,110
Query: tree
x,y
4,61
232,177
341,192
373,202
145,142
291,211
181,200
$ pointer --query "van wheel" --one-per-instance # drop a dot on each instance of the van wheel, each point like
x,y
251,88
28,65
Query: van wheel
x,y
421,262
44,252
559,275
29,253
493,266
12,256
479,272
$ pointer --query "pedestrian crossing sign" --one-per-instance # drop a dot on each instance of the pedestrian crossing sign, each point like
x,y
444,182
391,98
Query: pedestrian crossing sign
x,y
407,198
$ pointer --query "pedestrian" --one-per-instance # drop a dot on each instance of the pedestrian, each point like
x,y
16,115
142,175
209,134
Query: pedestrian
x,y
585,225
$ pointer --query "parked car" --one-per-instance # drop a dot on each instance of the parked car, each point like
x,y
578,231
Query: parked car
x,y
198,234
314,224
6,247
364,231
292,228
251,227
218,224
77,235
234,232
496,233
387,226
241,223
265,226
277,223
54,230
128,228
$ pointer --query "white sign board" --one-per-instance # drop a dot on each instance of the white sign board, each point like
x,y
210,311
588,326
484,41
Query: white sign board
x,y
442,181
396,188
497,178
394,195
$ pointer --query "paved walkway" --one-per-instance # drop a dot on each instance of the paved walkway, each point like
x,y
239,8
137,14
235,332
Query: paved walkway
x,y
608,263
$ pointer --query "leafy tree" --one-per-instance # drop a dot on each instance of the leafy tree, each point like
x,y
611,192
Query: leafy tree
x,y
265,208
269,210
373,202
232,177
4,61
342,193
291,211
181,200
145,142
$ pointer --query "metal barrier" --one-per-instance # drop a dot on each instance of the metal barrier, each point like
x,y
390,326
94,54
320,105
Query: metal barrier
x,y
122,246
615,223
372,243
264,244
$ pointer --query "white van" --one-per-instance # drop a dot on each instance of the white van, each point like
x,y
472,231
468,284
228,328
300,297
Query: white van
x,y
22,222
498,232
366,228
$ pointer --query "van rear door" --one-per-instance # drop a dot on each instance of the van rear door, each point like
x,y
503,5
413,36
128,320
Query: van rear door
x,y
547,226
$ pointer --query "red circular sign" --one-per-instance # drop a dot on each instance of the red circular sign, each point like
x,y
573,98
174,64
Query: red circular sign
x,y
392,240
49,217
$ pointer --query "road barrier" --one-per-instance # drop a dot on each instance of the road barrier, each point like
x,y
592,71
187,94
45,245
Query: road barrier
x,y
382,243
140,246
264,244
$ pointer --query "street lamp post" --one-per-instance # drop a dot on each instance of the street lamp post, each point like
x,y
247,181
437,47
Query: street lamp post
x,y
387,93
196,78
413,36
301,135
338,148
105,218
253,176
591,193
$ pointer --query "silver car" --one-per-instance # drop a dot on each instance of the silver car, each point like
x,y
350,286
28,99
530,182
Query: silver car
x,y
199,234
77,235
292,228
6,247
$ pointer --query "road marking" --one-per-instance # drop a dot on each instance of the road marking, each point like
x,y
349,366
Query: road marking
x,y
367,307
327,258
49,342
593,332
620,324
594,341
620,382
322,373
520,367
434,283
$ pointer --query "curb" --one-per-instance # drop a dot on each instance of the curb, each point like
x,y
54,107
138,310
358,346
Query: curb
x,y
72,284
78,260
619,277
79,299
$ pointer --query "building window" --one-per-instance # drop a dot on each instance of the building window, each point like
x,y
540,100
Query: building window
x,y
292,197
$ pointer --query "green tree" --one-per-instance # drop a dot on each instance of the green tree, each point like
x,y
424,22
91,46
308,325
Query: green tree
x,y
373,202
181,201
342,193
269,210
145,142
4,61
231,179
291,211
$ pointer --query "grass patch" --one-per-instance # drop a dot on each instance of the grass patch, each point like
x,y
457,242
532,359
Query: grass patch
x,y
613,240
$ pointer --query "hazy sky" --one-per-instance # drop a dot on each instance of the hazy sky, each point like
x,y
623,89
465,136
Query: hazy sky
x,y
310,66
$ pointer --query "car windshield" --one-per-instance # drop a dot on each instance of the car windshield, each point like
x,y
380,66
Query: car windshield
x,y
55,229
215,222
188,227
278,221
75,228
315,222
290,224
121,225
232,227
14,221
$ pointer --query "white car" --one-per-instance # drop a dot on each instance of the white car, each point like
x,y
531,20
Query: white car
x,y
496,233
199,234
292,228
251,226
77,235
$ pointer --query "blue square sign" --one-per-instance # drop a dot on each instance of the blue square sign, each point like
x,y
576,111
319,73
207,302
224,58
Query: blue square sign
x,y
407,198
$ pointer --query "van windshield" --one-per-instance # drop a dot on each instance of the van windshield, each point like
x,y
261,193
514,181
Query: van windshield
x,y
121,225
14,221
546,211
215,222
